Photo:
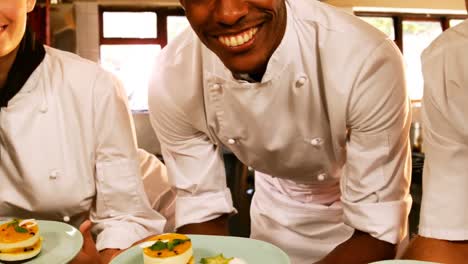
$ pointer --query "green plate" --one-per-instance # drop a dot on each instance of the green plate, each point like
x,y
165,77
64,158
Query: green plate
x,y
61,243
252,251
403,261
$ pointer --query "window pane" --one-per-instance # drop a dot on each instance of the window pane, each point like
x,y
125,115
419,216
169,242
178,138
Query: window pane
x,y
132,64
129,24
175,25
454,22
417,35
384,24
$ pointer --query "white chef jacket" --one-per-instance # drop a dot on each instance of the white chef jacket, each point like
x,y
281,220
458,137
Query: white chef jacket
x,y
160,193
68,150
445,135
326,129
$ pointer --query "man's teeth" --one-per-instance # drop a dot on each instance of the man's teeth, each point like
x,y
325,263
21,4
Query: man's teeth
x,y
239,39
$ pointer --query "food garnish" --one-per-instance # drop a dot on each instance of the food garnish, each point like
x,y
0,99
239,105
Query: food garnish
x,y
160,245
219,259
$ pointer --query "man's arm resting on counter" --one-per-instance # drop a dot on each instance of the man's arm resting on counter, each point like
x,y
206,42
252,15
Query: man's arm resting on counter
x,y
360,248
218,226
437,250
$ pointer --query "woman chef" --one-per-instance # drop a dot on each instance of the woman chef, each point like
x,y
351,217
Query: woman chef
x,y
67,148
312,98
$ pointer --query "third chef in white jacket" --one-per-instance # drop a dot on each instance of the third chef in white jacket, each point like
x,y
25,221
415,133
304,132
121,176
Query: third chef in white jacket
x,y
314,100
443,225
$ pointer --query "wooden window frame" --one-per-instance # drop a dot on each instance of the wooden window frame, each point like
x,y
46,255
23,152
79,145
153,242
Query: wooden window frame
x,y
399,18
161,20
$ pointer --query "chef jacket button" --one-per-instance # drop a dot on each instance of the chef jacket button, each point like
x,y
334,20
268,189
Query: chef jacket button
x,y
231,141
54,175
316,142
321,176
301,81
216,87
66,218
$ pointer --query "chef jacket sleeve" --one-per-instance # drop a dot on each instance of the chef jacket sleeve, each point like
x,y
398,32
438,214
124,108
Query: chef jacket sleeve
x,y
377,173
160,193
194,164
445,134
122,214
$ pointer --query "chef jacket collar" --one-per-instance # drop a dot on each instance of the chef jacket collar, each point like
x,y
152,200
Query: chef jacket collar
x,y
29,56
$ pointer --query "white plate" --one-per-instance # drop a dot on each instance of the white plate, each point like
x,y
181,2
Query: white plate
x,y
61,243
251,250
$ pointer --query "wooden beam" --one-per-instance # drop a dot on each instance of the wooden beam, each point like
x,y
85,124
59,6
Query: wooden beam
x,y
47,23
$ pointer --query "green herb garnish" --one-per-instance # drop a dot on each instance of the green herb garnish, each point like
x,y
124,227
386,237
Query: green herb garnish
x,y
175,242
20,229
170,245
17,227
158,246
13,223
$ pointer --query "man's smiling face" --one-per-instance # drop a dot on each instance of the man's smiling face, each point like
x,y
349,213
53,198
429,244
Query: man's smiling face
x,y
242,33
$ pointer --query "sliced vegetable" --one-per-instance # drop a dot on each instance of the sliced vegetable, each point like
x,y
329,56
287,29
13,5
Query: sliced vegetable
x,y
219,259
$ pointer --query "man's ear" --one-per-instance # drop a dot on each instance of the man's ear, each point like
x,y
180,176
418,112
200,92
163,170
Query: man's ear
x,y
30,5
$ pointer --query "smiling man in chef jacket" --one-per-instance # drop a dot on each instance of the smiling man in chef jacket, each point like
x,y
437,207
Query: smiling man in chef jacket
x,y
443,225
314,100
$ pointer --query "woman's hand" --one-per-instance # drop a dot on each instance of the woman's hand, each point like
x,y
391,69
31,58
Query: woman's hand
x,y
108,254
88,253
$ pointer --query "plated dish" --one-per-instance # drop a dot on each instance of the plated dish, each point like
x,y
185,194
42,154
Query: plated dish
x,y
19,240
168,249
38,242
224,249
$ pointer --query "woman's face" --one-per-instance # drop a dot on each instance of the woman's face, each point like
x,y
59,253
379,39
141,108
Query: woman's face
x,y
13,15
